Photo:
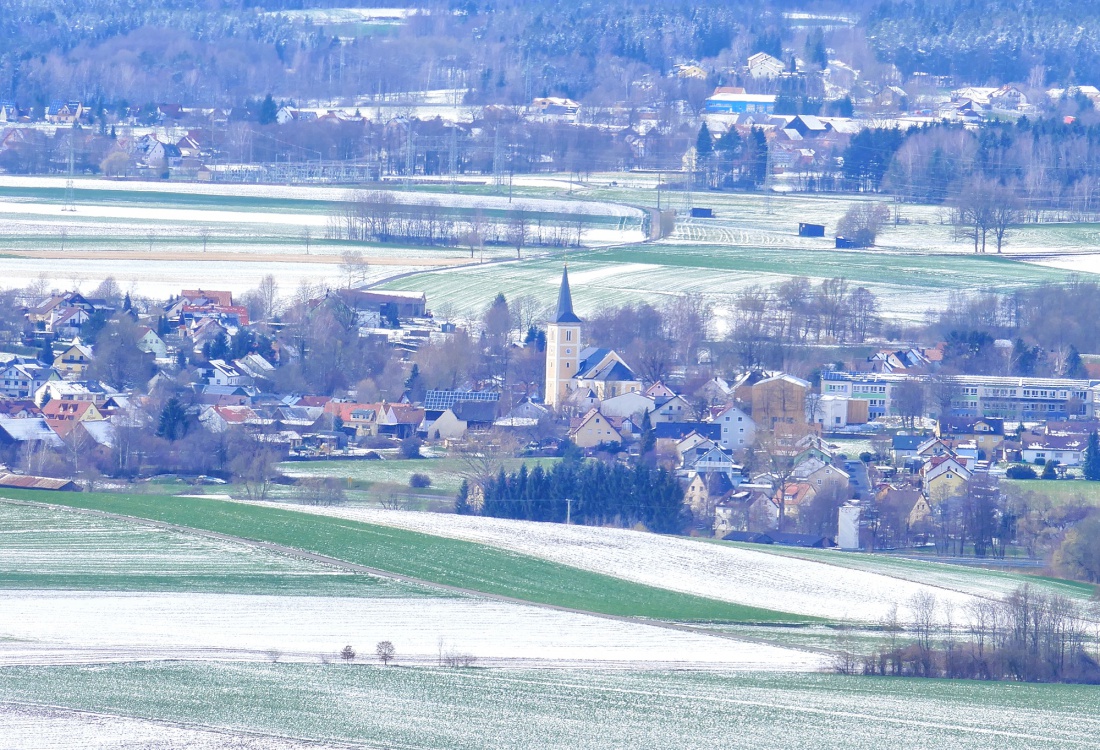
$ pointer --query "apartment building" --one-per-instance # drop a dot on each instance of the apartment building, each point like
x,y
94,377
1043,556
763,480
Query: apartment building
x,y
973,395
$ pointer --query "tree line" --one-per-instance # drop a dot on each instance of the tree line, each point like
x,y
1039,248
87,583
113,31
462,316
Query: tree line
x,y
377,216
591,493
1027,636
998,175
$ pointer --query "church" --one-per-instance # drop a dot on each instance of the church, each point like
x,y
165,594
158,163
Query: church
x,y
591,373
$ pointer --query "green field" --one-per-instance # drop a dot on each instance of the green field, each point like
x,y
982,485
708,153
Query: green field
x,y
966,578
48,548
907,284
428,558
446,473
474,709
1059,491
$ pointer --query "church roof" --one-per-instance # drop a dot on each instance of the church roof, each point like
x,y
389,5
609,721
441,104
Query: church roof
x,y
565,312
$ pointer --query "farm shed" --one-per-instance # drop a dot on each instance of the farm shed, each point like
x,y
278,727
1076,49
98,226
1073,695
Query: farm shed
x,y
702,213
810,230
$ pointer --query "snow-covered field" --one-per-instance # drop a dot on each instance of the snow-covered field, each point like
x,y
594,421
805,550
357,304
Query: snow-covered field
x,y
727,573
49,727
35,540
333,194
417,709
77,627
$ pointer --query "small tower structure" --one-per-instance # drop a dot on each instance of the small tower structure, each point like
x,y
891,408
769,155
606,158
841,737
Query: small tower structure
x,y
563,347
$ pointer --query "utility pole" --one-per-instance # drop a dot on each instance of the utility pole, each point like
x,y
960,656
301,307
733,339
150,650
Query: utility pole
x,y
454,153
410,162
70,191
768,208
497,177
568,510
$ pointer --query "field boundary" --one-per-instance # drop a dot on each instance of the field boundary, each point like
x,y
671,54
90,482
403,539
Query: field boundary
x,y
380,573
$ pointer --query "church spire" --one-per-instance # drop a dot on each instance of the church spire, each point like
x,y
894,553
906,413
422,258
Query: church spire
x,y
565,312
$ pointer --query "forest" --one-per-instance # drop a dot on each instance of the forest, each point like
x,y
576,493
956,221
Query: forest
x,y
224,52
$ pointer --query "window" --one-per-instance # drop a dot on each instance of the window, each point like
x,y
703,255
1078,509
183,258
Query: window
x,y
568,335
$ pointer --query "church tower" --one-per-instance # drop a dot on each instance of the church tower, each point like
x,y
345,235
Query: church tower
x,y
563,347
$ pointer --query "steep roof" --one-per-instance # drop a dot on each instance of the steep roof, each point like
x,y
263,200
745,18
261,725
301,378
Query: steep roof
x,y
565,312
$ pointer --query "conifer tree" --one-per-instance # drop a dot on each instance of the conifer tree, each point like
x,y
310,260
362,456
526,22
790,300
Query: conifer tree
x,y
1092,458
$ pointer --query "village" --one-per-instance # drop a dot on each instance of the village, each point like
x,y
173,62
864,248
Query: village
x,y
806,113
887,454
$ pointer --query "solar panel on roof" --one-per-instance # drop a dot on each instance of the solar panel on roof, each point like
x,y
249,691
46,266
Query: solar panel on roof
x,y
443,400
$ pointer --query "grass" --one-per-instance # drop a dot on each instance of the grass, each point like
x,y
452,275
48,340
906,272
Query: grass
x,y
429,558
1059,491
475,709
44,548
907,285
446,473
970,579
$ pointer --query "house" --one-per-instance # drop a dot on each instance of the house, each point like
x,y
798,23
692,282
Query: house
x,y
738,431
988,433
808,126
66,322
24,379
400,420
628,405
779,400
462,417
892,97
794,496
71,390
672,409
1009,97
63,416
748,507
255,367
64,113
763,66
670,434
905,447
219,419
818,474
73,362
594,428
1067,450
151,343
220,372
554,108
944,477
19,408
714,459
705,489
30,431
932,447
715,391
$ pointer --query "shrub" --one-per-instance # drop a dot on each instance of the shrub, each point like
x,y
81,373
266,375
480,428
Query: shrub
x,y
419,481
1048,470
410,448
1021,472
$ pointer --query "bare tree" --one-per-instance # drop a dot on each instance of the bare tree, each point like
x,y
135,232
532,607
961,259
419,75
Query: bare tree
x,y
347,653
269,296
519,228
385,651
908,398
354,267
